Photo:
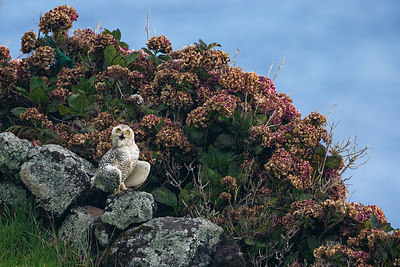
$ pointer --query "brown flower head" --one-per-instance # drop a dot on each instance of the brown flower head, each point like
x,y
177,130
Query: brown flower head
x,y
225,195
58,19
280,163
35,115
199,117
4,54
28,42
43,57
159,44
223,103
229,181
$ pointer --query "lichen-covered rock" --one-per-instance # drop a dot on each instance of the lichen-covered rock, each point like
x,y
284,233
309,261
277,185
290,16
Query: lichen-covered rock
x,y
56,176
104,233
13,152
11,193
166,241
76,227
131,207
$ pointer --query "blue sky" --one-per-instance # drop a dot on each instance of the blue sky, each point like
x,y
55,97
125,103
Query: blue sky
x,y
343,52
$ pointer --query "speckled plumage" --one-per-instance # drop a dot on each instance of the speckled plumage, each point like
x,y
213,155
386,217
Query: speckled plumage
x,y
118,163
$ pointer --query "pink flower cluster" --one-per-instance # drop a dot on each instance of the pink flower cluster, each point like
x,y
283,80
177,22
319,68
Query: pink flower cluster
x,y
363,213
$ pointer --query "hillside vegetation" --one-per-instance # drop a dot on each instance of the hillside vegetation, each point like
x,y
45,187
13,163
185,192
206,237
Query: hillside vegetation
x,y
223,143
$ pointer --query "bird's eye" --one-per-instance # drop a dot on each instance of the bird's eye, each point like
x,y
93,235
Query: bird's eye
x,y
128,132
118,130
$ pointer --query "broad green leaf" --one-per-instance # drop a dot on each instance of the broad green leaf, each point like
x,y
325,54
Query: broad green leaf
x,y
321,150
36,82
225,139
131,57
123,45
119,61
64,110
333,162
148,51
38,96
250,242
116,34
106,31
373,221
21,90
165,196
164,57
18,111
312,243
109,54
79,103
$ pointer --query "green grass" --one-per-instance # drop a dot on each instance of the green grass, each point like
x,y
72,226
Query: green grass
x,y
24,241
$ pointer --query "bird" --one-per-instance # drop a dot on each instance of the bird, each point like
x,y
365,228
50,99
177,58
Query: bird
x,y
120,168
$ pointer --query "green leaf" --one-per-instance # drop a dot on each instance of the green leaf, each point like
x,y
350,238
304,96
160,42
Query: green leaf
x,y
18,111
131,57
123,45
165,196
225,139
312,243
373,221
38,96
109,54
164,57
250,242
21,90
148,51
106,31
119,61
321,150
333,162
36,82
64,110
79,103
116,34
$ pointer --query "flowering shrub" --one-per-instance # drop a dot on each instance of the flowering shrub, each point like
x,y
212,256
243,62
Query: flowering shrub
x,y
223,143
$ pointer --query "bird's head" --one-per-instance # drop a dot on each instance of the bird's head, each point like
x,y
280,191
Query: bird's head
x,y
122,135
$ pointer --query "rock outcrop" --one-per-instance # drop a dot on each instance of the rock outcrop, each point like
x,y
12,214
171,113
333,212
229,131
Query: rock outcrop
x,y
56,176
13,152
131,208
76,227
166,241
122,228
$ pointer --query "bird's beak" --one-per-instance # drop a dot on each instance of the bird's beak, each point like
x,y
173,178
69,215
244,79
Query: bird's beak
x,y
122,136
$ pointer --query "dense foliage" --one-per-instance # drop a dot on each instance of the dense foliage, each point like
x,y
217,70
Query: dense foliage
x,y
222,142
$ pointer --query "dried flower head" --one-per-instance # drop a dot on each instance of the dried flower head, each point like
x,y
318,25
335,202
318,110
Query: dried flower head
x,y
28,42
224,104
280,164
159,44
229,181
4,54
225,195
198,117
43,57
58,19
35,115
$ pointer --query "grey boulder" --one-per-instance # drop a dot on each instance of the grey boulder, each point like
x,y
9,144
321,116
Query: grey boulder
x,y
56,176
166,241
13,152
12,194
130,208
76,227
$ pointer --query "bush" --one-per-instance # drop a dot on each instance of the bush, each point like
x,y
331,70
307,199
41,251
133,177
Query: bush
x,y
222,142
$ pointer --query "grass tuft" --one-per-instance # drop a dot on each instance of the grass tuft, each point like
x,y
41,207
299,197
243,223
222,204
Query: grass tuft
x,y
25,241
